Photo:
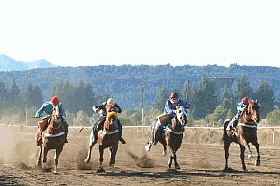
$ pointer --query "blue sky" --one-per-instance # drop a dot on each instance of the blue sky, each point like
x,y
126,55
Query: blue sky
x,y
153,32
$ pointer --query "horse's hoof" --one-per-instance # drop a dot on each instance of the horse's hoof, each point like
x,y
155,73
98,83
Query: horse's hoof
x,y
87,160
227,169
177,167
250,155
100,170
257,163
168,167
113,168
148,147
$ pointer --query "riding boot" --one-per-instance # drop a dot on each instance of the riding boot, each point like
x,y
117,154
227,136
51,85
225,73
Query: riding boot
x,y
95,136
157,133
120,132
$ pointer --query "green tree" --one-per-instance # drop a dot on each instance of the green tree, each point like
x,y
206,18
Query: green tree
x,y
3,93
273,117
206,99
161,98
265,95
33,96
243,89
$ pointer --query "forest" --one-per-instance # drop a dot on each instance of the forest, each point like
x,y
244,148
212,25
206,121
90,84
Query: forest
x,y
212,91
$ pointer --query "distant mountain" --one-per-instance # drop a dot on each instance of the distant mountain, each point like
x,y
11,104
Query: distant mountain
x,y
9,64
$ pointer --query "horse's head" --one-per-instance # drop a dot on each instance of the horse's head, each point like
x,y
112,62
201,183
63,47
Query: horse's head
x,y
180,119
56,117
110,120
251,113
55,121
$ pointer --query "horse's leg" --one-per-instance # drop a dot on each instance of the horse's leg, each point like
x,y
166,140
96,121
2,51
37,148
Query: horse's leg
x,y
245,144
258,160
56,156
113,150
249,149
175,161
164,150
39,159
91,144
170,160
256,144
101,153
226,149
88,154
164,141
45,153
242,151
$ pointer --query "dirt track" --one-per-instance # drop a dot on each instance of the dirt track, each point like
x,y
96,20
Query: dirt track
x,y
201,158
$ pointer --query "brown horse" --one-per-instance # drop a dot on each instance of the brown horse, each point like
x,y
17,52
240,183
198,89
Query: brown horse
x,y
107,138
171,136
52,138
246,133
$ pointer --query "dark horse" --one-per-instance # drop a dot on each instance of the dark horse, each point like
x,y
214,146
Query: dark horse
x,y
52,138
107,138
171,136
246,133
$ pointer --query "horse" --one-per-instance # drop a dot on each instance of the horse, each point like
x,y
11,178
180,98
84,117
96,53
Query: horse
x,y
108,137
171,136
52,138
246,133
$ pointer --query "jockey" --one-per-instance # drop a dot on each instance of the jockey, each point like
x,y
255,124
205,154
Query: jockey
x,y
100,123
47,107
170,109
240,106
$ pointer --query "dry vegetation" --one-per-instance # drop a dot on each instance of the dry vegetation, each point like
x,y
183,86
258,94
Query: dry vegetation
x,y
201,158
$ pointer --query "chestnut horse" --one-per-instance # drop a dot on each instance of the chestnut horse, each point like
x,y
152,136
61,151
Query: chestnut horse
x,y
107,138
246,133
52,138
171,136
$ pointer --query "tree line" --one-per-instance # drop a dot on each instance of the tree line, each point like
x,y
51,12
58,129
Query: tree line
x,y
207,100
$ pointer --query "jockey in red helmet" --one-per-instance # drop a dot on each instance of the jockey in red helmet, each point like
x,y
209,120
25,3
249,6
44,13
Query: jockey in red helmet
x,y
47,107
240,106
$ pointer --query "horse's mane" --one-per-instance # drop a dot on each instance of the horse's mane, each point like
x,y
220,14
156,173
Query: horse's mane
x,y
111,115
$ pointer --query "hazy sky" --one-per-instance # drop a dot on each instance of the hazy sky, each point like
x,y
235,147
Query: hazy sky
x,y
178,32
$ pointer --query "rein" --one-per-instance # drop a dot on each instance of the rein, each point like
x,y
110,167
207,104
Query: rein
x,y
245,125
